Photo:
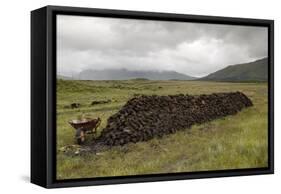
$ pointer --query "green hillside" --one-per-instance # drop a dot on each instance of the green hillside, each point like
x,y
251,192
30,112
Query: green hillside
x,y
253,71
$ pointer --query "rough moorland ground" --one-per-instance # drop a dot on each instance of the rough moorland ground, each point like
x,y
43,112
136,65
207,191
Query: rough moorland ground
x,y
238,141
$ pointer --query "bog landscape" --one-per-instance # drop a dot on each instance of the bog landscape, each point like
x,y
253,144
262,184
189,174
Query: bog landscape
x,y
151,122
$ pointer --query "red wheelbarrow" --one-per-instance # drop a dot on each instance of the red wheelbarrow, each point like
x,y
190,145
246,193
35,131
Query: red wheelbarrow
x,y
83,126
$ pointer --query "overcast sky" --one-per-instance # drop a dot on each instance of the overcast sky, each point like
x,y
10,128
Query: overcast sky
x,y
191,48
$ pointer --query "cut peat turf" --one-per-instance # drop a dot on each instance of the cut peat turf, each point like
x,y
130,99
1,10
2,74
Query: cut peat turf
x,y
145,117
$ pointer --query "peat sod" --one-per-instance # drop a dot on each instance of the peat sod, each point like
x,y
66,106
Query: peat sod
x,y
145,117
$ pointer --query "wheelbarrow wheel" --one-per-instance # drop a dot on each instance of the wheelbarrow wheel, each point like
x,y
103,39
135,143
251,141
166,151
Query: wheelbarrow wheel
x,y
79,141
80,136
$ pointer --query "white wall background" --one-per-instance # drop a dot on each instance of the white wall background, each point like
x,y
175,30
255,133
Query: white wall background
x,y
15,94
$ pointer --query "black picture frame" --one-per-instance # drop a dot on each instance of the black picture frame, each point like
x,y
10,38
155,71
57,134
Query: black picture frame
x,y
43,95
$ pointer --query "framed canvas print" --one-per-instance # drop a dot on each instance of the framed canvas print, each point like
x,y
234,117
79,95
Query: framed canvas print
x,y
125,96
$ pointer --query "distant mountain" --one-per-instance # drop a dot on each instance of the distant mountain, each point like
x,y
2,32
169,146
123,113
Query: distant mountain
x,y
252,71
124,74
63,77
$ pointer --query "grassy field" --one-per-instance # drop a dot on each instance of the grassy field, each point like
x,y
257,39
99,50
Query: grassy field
x,y
238,141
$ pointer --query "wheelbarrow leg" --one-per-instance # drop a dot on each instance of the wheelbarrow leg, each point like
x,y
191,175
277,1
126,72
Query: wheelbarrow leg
x,y
80,136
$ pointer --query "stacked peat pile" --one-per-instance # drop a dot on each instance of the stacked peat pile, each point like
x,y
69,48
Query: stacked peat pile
x,y
145,117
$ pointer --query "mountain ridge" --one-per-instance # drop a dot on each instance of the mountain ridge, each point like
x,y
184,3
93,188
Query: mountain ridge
x,y
125,74
251,71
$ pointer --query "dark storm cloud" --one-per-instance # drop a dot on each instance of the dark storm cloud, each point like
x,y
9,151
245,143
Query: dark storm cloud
x,y
191,48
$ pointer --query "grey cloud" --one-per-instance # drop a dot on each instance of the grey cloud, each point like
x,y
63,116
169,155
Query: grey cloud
x,y
192,48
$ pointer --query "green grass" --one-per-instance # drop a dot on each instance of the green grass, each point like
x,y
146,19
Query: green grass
x,y
238,141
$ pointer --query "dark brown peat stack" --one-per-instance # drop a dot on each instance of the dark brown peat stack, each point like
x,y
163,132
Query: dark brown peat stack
x,y
146,117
